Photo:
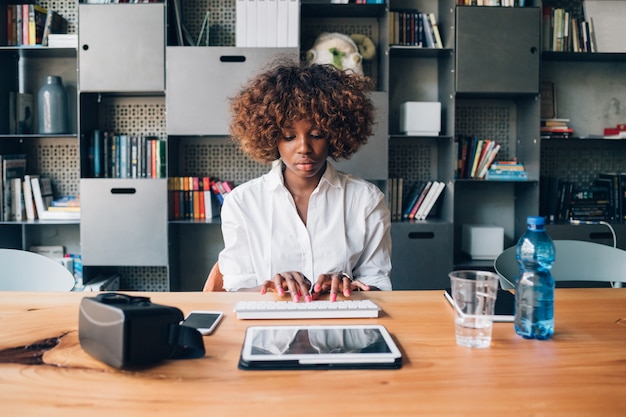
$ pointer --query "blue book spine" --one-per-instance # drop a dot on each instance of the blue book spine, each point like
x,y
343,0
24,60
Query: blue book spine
x,y
97,154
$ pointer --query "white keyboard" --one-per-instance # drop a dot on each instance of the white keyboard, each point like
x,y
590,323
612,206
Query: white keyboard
x,y
312,310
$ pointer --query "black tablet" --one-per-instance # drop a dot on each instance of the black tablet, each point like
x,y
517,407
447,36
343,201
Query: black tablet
x,y
367,346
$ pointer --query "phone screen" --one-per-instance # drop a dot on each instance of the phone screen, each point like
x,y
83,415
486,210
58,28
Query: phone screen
x,y
204,321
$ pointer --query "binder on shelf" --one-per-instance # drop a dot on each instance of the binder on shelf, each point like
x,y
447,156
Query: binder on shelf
x,y
241,23
251,23
293,24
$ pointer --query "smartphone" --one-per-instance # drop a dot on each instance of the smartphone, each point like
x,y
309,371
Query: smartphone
x,y
204,321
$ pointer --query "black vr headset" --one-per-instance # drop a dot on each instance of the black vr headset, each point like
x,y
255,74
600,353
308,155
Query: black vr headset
x,y
126,331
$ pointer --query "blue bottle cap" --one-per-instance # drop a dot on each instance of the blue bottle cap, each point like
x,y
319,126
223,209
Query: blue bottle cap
x,y
535,221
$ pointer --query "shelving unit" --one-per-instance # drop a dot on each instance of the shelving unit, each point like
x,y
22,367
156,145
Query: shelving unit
x,y
23,69
486,77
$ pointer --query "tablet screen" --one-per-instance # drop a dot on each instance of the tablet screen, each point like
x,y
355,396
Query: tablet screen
x,y
293,347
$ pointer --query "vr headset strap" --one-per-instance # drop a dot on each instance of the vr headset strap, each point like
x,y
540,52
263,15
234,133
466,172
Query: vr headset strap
x,y
187,342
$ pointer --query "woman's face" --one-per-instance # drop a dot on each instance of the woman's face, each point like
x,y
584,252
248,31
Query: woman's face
x,y
303,149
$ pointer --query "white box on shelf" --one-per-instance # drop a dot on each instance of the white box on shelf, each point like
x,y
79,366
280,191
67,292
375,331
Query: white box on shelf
x,y
482,242
420,118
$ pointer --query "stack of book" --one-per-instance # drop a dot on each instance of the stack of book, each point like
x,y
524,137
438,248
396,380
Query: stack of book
x,y
423,200
507,171
476,157
589,205
556,129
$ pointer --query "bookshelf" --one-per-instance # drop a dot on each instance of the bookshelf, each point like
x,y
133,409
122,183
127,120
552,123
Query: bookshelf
x,y
469,76
23,69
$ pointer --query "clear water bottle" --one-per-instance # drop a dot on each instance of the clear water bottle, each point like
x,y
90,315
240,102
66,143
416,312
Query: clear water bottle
x,y
534,285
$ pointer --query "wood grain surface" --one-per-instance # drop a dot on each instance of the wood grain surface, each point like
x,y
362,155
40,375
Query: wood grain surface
x,y
580,372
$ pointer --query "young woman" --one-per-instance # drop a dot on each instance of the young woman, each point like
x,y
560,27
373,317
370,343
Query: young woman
x,y
304,227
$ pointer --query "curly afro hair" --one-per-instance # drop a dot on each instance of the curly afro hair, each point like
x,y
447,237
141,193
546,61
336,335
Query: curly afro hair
x,y
336,102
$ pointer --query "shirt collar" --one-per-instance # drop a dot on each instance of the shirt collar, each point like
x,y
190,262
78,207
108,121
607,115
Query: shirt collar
x,y
275,176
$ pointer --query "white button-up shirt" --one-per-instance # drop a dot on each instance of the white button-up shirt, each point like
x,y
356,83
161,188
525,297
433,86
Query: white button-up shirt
x,y
347,230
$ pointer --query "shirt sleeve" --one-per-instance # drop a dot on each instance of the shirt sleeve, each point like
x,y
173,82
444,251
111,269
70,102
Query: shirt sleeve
x,y
235,259
374,265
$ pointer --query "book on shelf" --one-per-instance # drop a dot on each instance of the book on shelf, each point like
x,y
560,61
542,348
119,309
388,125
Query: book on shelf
x,y
475,157
615,182
17,200
69,201
430,200
63,40
420,200
125,156
555,128
412,198
196,198
29,203
13,166
394,197
410,27
507,171
54,24
564,30
43,197
435,30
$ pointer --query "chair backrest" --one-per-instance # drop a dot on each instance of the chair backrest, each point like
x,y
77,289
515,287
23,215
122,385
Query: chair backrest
x,y
576,260
215,280
28,271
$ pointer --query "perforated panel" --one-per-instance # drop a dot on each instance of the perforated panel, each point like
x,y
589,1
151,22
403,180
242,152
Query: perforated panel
x,y
575,7
580,160
225,161
56,158
221,20
144,116
489,120
150,278
412,162
66,8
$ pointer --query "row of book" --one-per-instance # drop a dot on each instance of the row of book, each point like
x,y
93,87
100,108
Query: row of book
x,y
562,32
422,199
501,3
267,23
475,157
31,24
30,197
126,156
196,198
604,200
410,27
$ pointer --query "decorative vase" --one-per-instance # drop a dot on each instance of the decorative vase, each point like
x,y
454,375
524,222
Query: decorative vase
x,y
52,106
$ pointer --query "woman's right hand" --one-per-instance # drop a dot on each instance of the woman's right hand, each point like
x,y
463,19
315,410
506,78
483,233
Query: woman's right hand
x,y
297,284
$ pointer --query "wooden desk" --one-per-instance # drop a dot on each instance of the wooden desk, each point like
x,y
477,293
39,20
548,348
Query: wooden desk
x,y
581,372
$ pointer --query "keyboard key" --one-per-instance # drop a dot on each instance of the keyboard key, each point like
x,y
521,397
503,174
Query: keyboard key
x,y
313,310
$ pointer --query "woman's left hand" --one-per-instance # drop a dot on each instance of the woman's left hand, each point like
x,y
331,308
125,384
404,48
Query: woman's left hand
x,y
335,283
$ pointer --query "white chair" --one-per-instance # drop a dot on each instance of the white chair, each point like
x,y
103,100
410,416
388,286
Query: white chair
x,y
575,260
28,271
